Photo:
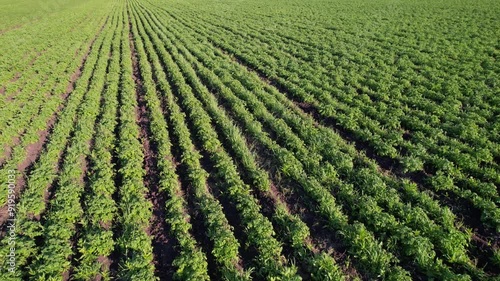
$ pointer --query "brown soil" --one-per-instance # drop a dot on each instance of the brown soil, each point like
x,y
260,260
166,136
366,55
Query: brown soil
x,y
19,74
66,275
33,152
483,249
8,149
74,77
105,265
163,248
162,244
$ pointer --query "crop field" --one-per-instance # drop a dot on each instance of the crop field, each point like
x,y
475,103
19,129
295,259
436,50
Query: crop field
x,y
250,140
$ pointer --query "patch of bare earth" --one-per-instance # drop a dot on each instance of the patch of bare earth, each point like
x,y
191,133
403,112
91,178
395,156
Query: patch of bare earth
x,y
32,154
8,149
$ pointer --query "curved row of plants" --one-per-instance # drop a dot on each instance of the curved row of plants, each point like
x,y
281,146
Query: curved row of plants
x,y
482,194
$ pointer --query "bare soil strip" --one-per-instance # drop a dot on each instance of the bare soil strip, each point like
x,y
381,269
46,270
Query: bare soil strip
x,y
163,245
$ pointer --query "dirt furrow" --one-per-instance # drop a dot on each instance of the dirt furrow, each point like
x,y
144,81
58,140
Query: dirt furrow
x,y
163,245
